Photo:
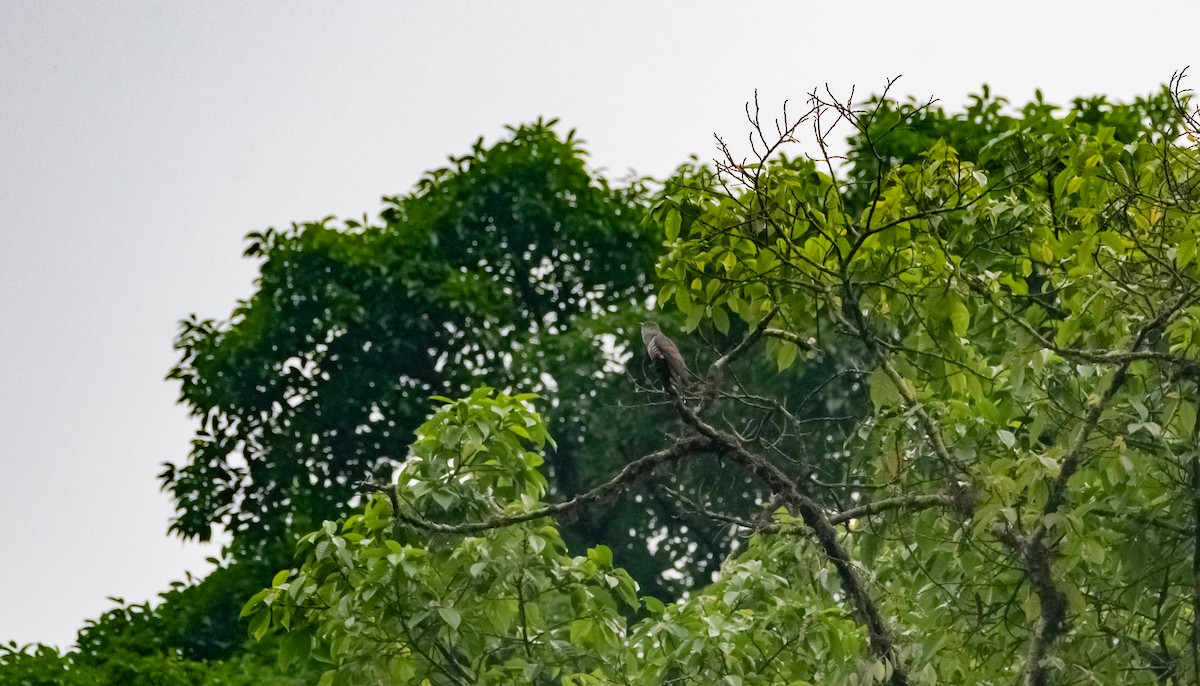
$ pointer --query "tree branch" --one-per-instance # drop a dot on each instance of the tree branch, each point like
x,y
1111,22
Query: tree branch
x,y
816,519
1075,454
1195,485
626,479
858,326
1034,552
713,377
805,344
904,502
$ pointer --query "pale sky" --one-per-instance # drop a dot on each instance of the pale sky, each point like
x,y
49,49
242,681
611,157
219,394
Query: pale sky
x,y
139,141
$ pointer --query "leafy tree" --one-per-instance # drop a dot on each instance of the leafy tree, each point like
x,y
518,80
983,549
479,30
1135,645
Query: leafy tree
x,y
1021,503
46,666
514,267
186,639
395,596
195,620
991,133
483,273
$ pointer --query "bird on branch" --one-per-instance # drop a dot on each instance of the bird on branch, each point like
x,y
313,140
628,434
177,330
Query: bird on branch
x,y
665,356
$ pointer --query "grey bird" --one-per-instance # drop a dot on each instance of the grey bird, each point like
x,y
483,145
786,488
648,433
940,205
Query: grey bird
x,y
665,356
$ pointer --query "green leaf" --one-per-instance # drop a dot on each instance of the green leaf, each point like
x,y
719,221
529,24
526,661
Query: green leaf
x,y
260,624
786,354
602,555
293,648
1060,182
960,316
254,602
1092,551
672,224
720,319
683,300
729,261
1185,254
581,631
883,392
450,616
537,544
1007,438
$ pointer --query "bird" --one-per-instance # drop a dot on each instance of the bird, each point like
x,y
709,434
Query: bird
x,y
665,356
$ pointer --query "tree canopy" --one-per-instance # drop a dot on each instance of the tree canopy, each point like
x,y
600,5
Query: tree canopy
x,y
1017,504
484,273
517,267
942,426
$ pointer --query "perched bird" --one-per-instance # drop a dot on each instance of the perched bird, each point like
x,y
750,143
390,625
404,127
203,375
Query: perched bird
x,y
665,356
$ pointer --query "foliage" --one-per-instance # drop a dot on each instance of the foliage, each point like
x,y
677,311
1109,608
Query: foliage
x,y
514,267
1019,503
945,430
998,138
363,292
196,619
507,607
190,638
384,599
1028,333
318,379
46,666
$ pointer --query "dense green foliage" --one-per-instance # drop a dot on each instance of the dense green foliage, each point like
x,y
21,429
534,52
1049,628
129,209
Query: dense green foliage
x,y
497,269
143,664
514,267
1020,503
990,132
392,600
1028,324
189,637
953,439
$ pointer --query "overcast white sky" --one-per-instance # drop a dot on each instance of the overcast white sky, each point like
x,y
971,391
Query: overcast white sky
x,y
139,141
